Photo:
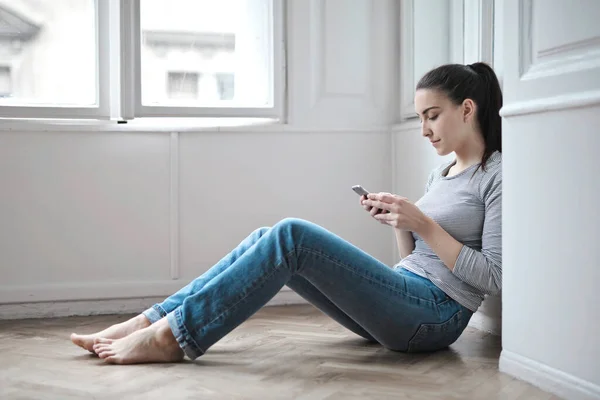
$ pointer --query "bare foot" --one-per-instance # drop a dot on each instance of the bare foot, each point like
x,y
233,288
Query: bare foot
x,y
116,331
155,343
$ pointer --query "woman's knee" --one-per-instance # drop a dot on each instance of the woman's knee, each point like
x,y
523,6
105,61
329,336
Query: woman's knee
x,y
295,225
288,223
261,231
294,230
258,233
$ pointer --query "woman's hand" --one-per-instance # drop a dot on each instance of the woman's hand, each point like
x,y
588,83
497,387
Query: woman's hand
x,y
398,212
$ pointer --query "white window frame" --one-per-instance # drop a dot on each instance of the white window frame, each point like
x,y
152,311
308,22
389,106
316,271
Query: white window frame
x,y
100,110
118,80
470,39
132,85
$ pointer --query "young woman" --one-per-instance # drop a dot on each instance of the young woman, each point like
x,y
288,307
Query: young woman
x,y
450,242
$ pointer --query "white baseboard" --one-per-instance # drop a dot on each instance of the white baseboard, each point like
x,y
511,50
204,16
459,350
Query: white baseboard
x,y
70,308
54,309
547,378
93,291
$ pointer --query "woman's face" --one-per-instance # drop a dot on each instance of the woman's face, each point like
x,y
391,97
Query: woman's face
x,y
444,123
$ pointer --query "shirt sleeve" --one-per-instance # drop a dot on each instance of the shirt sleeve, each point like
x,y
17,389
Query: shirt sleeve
x,y
483,269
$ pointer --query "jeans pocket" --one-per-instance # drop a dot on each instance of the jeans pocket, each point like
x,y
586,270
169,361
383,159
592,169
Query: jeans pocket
x,y
432,337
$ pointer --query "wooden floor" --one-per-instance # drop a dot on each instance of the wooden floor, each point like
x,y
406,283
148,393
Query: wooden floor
x,y
292,352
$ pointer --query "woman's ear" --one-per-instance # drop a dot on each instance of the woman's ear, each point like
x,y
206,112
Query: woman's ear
x,y
468,108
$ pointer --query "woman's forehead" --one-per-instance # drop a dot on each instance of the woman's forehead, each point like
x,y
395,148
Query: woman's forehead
x,y
427,98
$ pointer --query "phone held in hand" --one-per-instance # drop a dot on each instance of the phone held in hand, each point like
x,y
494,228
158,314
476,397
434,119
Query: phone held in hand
x,y
361,191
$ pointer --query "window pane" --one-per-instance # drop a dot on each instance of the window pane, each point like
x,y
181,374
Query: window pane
x,y
206,53
48,52
5,82
183,85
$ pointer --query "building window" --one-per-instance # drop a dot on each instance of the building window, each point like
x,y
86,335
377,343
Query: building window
x,y
183,58
54,58
227,46
182,85
5,82
226,86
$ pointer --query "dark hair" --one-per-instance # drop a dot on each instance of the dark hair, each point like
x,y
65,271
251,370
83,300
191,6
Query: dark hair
x,y
479,83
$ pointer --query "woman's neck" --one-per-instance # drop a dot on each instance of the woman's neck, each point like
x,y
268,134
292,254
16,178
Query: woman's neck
x,y
470,153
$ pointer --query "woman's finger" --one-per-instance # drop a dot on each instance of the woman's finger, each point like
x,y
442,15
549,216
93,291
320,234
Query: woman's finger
x,y
366,207
374,211
379,204
387,198
385,217
383,197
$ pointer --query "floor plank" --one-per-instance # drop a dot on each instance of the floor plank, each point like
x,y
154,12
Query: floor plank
x,y
291,352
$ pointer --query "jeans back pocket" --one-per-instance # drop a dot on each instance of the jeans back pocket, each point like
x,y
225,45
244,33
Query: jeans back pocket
x,y
432,337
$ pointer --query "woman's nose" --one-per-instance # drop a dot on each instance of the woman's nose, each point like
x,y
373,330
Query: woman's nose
x,y
425,131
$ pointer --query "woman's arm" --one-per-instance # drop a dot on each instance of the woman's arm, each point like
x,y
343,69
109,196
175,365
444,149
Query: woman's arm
x,y
441,242
406,242
480,269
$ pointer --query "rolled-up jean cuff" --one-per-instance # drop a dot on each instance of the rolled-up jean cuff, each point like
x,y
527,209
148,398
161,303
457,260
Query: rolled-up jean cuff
x,y
185,341
154,313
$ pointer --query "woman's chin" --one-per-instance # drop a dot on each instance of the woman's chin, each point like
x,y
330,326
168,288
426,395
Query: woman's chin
x,y
441,151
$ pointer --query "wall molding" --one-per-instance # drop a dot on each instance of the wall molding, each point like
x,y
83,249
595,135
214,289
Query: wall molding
x,y
478,31
87,291
550,104
321,86
19,126
407,53
174,205
90,291
571,57
457,31
547,378
109,306
470,38
525,38
394,189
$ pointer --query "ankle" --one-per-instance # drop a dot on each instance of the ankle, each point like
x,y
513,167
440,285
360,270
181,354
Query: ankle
x,y
141,321
164,336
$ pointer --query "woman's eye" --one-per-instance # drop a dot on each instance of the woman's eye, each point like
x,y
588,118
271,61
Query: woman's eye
x,y
433,118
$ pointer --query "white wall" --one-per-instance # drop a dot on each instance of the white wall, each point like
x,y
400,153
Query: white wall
x,y
551,222
131,215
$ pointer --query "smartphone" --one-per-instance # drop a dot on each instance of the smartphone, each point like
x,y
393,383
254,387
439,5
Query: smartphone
x,y
361,191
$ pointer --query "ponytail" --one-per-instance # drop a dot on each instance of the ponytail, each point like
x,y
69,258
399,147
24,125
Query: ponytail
x,y
488,114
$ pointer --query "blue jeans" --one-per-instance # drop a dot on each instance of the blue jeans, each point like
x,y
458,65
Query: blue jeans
x,y
396,308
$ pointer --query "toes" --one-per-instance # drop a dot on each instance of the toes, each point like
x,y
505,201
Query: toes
x,y
99,348
80,340
106,354
103,340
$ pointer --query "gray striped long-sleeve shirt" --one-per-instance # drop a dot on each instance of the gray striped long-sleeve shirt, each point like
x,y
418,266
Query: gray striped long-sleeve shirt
x,y
469,208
